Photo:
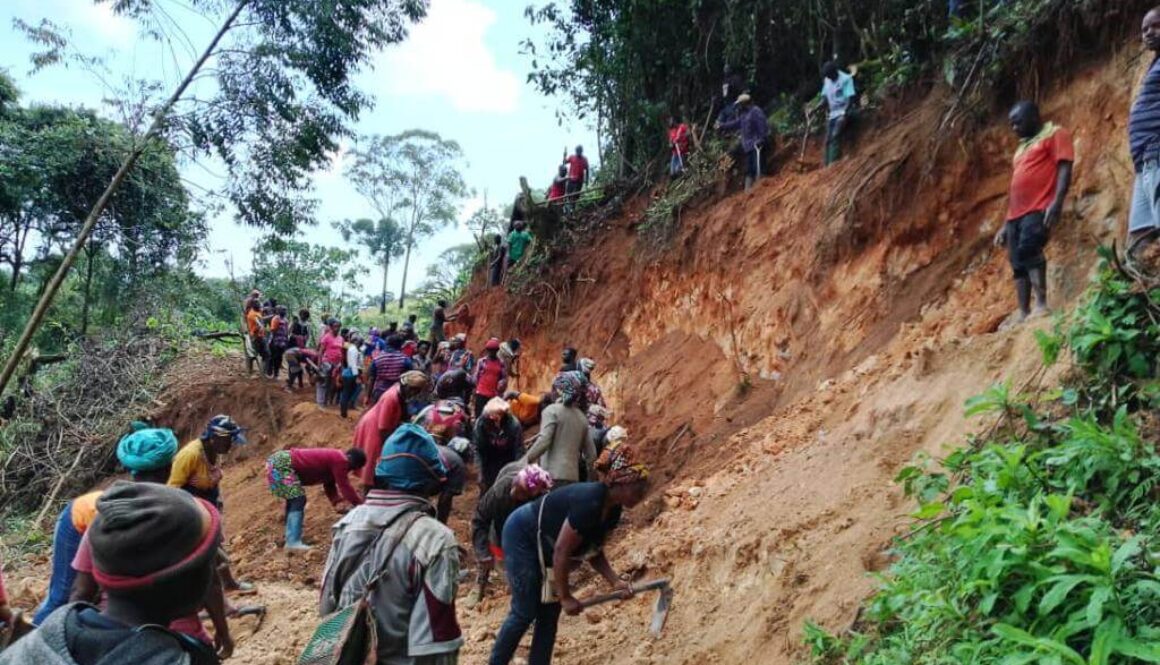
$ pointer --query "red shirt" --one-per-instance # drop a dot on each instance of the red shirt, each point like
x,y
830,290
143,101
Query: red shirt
x,y
556,191
326,467
679,139
1035,173
577,167
373,428
489,377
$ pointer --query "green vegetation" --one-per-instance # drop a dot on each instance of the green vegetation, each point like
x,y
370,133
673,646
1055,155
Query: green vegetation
x,y
627,64
1040,541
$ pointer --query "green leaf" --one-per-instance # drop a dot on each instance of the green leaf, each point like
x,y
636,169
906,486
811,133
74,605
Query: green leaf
x,y
930,511
1059,591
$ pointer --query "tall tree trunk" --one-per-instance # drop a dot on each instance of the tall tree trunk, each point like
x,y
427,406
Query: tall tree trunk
x,y
406,267
386,271
89,251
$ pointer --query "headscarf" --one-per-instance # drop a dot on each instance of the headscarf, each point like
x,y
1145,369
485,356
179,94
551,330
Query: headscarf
x,y
452,384
147,533
597,411
569,386
223,425
586,365
463,447
147,450
618,465
616,435
496,408
535,479
414,380
410,461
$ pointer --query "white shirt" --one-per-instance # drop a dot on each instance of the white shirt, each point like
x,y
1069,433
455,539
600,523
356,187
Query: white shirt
x,y
354,358
838,93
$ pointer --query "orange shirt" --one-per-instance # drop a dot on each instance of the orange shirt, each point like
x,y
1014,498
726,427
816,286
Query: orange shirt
x,y
84,511
254,322
1035,174
526,408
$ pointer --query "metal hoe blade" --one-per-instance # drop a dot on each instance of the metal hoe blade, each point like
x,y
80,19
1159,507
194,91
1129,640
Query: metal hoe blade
x,y
661,611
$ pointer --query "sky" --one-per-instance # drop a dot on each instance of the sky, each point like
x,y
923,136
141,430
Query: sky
x,y
459,74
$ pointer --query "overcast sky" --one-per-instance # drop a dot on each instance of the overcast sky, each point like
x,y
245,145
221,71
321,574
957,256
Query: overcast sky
x,y
459,74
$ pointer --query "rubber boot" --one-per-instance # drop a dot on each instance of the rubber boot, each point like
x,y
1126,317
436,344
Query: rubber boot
x,y
294,532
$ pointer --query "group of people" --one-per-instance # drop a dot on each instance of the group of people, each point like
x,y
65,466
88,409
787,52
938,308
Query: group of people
x,y
571,178
507,251
135,564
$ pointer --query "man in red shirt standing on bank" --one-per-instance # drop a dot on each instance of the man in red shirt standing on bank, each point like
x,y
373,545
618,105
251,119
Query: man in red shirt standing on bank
x,y
679,142
1040,181
577,171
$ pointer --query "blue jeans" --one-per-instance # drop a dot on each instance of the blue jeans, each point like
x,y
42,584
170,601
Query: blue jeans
x,y
1145,213
522,565
676,165
65,543
350,391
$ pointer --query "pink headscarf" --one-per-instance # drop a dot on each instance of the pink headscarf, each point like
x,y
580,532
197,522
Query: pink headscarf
x,y
535,478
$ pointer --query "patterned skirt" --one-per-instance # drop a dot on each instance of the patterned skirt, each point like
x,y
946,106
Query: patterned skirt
x,y
281,478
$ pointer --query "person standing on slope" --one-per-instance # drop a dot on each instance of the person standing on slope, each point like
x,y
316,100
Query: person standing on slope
x,y
1040,181
754,128
1144,140
559,185
578,173
490,376
679,142
563,439
838,94
439,320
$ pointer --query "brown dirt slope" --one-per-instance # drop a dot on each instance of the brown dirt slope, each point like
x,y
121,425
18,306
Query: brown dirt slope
x,y
863,304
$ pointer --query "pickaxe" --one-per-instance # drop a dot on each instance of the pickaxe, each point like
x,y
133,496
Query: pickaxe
x,y
660,612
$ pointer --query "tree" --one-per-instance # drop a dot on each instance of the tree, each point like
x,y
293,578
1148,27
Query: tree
x,y
416,172
486,222
301,274
283,97
384,241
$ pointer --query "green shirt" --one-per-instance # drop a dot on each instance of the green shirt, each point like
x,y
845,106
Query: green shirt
x,y
518,244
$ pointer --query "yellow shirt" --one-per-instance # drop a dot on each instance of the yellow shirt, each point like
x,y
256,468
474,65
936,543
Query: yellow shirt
x,y
192,468
84,511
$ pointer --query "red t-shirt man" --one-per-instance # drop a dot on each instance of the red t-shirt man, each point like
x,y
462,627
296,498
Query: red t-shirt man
x,y
577,168
679,140
1034,177
373,428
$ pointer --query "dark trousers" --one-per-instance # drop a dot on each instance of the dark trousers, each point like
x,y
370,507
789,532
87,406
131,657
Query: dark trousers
x,y
274,364
350,391
296,505
525,578
294,375
480,402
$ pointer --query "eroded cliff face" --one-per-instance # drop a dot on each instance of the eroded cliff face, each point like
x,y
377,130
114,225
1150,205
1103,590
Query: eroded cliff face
x,y
790,350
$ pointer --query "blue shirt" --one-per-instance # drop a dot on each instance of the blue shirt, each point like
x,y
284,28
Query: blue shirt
x,y
753,125
1144,121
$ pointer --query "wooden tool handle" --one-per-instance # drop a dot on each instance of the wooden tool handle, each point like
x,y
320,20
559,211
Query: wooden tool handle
x,y
637,588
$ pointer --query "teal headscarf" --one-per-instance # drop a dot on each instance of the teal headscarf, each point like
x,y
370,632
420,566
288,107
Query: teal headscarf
x,y
410,462
147,450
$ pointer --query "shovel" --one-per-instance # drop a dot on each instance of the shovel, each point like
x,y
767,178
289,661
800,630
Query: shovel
x,y
660,612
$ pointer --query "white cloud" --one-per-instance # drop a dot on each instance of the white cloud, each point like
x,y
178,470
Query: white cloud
x,y
446,55
103,21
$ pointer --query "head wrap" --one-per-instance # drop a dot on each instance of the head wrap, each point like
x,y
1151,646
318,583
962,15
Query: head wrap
x,y
146,533
409,348
534,478
597,411
617,434
223,426
492,345
618,464
414,380
410,461
147,450
743,98
568,386
444,345
586,365
496,407
461,337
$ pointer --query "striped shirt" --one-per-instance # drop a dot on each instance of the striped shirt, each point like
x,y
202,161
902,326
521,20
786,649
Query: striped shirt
x,y
387,368
1144,121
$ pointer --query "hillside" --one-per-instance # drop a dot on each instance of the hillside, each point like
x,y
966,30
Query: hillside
x,y
786,355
